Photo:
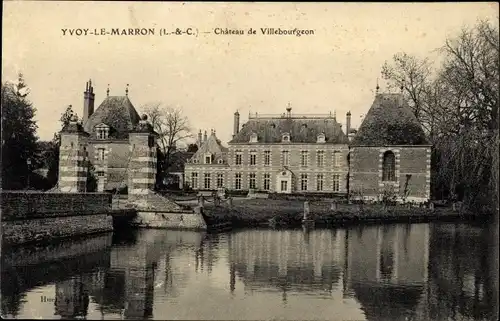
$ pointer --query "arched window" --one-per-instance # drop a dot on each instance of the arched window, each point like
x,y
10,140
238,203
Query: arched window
x,y
389,167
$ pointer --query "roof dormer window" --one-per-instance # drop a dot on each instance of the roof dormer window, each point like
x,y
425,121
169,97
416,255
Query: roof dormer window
x,y
102,131
321,138
254,138
221,161
285,137
208,158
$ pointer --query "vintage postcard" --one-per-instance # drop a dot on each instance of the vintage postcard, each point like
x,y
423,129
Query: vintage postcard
x,y
249,160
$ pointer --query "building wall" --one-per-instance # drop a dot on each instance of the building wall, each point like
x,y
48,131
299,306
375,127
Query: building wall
x,y
72,171
142,166
276,166
200,170
115,164
366,172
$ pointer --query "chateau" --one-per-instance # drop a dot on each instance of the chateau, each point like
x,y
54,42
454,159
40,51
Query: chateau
x,y
292,153
105,140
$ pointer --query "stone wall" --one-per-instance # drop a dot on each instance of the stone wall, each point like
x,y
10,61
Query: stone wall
x,y
37,216
46,229
182,221
22,205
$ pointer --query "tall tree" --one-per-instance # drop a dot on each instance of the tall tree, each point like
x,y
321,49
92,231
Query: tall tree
x,y
172,127
18,134
458,105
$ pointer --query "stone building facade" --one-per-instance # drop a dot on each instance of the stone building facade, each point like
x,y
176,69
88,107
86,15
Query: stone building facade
x,y
108,129
388,157
276,153
115,141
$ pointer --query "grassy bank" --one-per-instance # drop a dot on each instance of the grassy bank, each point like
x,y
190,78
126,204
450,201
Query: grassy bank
x,y
265,212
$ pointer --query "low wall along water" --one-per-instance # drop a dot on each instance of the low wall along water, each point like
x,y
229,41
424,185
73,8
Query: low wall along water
x,y
37,216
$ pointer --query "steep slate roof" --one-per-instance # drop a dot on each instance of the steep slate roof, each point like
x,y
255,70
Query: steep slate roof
x,y
212,146
270,130
389,122
116,112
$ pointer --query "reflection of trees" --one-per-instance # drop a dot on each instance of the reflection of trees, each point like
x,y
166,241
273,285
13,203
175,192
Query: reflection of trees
x,y
460,273
12,292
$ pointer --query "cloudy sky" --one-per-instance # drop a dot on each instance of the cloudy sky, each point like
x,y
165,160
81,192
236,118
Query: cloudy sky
x,y
211,76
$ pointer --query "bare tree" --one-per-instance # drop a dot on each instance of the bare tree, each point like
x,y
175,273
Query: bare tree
x,y
457,105
411,74
172,127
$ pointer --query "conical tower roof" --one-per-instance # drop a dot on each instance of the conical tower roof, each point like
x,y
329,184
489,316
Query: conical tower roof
x,y
389,122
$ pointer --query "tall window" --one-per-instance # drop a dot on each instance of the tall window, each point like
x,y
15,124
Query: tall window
x,y
100,154
303,182
304,158
253,158
267,181
336,182
267,157
220,180
206,180
251,181
319,182
336,158
194,180
237,159
389,167
237,181
285,157
320,158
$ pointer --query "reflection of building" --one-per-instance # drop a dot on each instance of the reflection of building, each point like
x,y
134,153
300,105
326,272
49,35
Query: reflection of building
x,y
74,266
72,297
384,268
289,260
387,269
129,284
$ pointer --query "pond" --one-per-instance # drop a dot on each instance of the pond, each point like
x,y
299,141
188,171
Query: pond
x,y
432,271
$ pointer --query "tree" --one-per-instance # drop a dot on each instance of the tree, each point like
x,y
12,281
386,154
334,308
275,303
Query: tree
x,y
18,134
457,104
172,128
412,75
192,148
51,150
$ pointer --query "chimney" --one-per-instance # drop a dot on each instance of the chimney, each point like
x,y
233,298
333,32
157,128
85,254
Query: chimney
x,y
236,128
199,139
205,136
88,101
348,123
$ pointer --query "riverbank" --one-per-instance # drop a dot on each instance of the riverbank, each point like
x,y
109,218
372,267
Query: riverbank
x,y
289,213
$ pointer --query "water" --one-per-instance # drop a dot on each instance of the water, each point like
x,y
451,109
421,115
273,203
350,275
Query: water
x,y
390,272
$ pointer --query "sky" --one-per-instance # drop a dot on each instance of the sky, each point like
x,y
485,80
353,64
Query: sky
x,y
209,76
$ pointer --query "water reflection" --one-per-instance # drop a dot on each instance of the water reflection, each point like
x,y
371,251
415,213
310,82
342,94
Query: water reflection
x,y
389,272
